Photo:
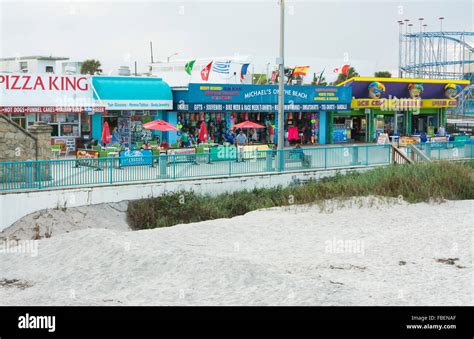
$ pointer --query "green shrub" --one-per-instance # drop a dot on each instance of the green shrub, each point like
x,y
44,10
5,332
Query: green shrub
x,y
415,183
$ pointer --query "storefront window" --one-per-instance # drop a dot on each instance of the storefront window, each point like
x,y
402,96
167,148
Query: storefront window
x,y
48,118
85,123
31,118
63,124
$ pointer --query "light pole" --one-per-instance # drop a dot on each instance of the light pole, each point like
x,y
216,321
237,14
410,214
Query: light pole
x,y
169,57
400,46
281,81
420,57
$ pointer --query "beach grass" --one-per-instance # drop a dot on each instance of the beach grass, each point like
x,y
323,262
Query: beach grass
x,y
414,183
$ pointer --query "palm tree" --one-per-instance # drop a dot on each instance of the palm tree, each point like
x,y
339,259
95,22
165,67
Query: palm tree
x,y
383,74
91,66
351,73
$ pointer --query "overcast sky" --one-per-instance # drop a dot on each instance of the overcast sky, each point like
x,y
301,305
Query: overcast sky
x,y
318,33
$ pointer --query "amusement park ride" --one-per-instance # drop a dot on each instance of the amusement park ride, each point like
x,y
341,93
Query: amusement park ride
x,y
440,55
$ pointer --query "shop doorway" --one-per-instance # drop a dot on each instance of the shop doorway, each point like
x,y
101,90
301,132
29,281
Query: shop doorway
x,y
423,124
302,128
358,130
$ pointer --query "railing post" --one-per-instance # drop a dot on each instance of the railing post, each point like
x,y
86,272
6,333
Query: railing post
x,y
355,155
163,163
325,157
230,167
268,157
174,165
366,155
111,165
37,176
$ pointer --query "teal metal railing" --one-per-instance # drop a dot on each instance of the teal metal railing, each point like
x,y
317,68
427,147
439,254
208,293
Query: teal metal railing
x,y
451,150
40,174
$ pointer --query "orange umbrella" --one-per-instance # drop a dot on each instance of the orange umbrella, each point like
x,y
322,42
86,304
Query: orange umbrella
x,y
160,125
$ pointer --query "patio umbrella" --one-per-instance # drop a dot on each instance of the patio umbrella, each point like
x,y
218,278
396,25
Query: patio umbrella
x,y
160,125
248,124
106,138
203,134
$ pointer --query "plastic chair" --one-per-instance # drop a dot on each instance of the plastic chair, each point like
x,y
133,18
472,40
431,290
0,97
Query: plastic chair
x,y
56,150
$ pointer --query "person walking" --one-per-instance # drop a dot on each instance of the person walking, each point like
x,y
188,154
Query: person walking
x,y
185,139
240,141
115,136
442,131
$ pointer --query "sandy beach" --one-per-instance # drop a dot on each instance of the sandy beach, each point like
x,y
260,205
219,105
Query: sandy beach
x,y
361,252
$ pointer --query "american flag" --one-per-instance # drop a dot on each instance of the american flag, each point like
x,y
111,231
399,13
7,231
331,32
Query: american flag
x,y
221,67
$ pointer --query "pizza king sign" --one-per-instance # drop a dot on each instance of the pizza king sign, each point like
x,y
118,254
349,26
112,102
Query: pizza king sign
x,y
42,83
23,90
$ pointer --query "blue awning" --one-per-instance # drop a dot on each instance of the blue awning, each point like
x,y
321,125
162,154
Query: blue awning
x,y
132,93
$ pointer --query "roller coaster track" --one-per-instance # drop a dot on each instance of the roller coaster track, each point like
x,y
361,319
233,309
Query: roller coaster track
x,y
445,35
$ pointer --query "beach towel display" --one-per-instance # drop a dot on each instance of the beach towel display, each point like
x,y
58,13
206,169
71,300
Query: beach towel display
x,y
292,133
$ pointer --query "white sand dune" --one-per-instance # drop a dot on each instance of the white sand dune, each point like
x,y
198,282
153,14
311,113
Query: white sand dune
x,y
280,256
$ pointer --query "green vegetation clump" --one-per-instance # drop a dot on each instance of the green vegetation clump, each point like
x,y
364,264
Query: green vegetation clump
x,y
415,183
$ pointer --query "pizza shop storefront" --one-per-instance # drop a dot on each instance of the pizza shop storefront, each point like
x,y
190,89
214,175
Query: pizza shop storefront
x,y
63,102
222,106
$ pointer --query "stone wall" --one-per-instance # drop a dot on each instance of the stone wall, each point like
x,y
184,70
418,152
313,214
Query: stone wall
x,y
18,144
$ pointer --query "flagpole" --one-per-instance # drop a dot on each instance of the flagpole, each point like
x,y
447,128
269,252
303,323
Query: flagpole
x,y
281,119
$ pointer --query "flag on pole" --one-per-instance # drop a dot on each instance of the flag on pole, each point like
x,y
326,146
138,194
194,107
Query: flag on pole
x,y
243,71
221,67
189,66
300,70
321,76
344,69
206,71
274,77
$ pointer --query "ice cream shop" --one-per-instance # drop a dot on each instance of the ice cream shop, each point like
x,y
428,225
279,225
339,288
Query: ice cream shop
x,y
394,106
222,106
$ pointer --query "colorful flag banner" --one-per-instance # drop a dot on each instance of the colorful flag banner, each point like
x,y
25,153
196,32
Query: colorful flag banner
x,y
221,67
189,66
243,71
274,77
344,69
206,71
300,70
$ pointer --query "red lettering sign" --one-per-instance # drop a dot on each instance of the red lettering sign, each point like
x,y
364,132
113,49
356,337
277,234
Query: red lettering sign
x,y
40,82
44,109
